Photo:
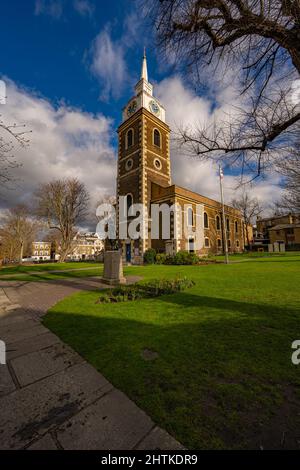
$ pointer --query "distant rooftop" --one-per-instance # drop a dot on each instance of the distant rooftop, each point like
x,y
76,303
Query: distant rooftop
x,y
283,226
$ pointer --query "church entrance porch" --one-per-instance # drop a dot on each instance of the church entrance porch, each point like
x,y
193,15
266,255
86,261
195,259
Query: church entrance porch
x,y
131,252
128,252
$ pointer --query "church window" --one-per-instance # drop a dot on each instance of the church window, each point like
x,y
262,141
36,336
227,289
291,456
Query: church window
x,y
190,217
227,225
157,164
218,224
156,137
129,138
206,242
236,227
129,201
205,220
191,245
129,164
237,244
219,243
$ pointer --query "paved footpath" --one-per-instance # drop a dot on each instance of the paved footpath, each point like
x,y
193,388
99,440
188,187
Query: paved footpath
x,y
50,397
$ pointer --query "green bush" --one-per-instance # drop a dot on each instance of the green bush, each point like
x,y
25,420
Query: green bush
x,y
147,290
183,258
149,256
160,258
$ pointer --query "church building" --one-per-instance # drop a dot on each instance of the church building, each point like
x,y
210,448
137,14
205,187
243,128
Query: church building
x,y
144,176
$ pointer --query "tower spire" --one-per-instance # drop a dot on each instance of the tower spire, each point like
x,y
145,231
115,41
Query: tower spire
x,y
144,73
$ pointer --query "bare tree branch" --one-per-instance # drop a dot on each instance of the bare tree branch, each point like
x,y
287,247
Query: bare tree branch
x,y
63,204
258,39
10,136
290,169
17,231
250,209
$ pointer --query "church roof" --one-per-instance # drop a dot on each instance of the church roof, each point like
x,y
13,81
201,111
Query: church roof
x,y
284,226
160,192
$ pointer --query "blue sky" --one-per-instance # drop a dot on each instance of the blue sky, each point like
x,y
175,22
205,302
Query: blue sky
x,y
48,48
70,67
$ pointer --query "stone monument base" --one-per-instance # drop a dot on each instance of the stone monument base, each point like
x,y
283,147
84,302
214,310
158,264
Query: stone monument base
x,y
113,269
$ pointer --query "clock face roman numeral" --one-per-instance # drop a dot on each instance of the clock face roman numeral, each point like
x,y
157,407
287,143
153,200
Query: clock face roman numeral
x,y
132,108
154,108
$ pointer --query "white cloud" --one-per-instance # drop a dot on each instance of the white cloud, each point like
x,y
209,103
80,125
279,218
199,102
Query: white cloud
x,y
184,108
53,8
136,32
84,7
108,65
65,142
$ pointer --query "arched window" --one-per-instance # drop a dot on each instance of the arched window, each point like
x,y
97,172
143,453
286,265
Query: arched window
x,y
156,137
190,217
191,245
205,220
218,223
129,138
236,227
237,243
227,225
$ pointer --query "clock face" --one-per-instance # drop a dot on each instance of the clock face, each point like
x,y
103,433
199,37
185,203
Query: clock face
x,y
131,108
154,108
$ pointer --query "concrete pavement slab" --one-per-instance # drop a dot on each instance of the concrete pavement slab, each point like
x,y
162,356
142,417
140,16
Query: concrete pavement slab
x,y
30,345
6,382
158,439
18,331
6,318
113,422
43,363
30,412
45,443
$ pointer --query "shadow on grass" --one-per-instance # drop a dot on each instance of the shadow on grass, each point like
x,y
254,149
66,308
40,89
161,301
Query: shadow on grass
x,y
77,283
186,299
221,368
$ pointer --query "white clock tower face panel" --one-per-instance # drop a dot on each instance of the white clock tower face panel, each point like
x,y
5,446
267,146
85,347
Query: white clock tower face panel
x,y
154,107
131,108
144,98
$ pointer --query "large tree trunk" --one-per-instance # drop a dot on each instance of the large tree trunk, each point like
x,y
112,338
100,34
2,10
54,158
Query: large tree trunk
x,y
65,251
11,253
63,256
244,230
247,235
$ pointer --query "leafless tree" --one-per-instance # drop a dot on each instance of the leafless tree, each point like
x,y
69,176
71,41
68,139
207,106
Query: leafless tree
x,y
10,136
17,232
63,204
260,40
106,199
290,168
250,208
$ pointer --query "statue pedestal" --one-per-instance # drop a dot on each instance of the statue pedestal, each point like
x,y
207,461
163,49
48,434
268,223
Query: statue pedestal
x,y
113,268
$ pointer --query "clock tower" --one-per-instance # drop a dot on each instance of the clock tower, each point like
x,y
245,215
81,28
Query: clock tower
x,y
143,155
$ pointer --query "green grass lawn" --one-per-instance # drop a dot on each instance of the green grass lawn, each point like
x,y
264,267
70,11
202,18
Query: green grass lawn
x,y
223,377
256,255
45,272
